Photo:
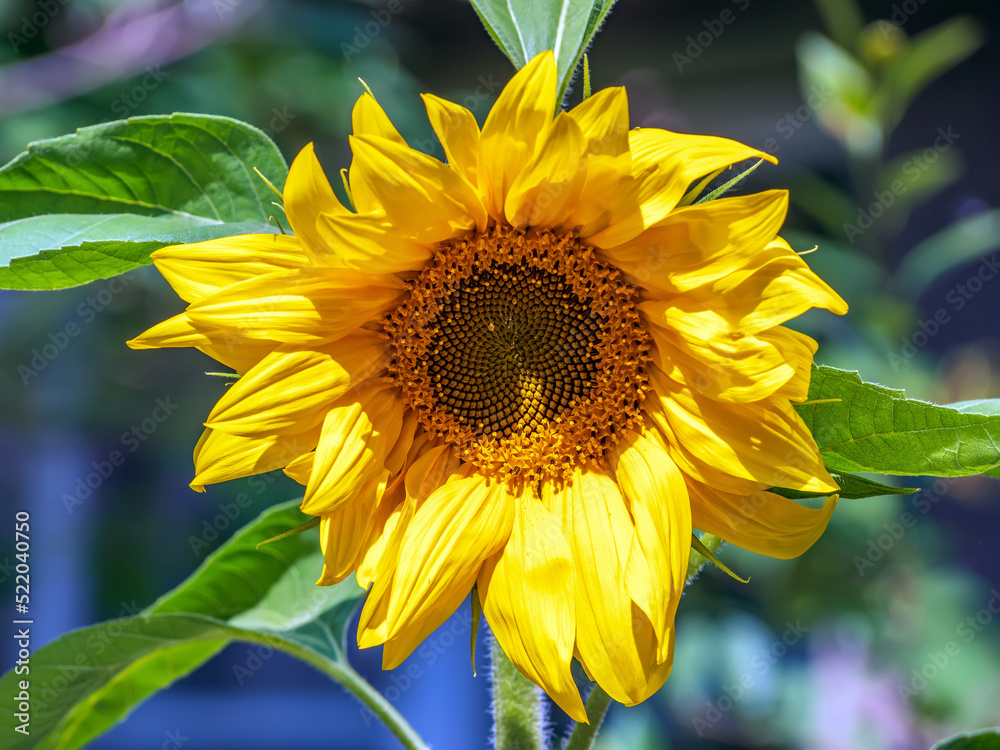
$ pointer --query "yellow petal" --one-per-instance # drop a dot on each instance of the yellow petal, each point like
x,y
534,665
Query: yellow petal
x,y
458,527
357,433
677,160
219,457
658,555
307,195
603,118
382,524
396,458
699,244
422,198
301,468
458,132
657,669
655,418
342,532
516,124
764,442
431,466
655,673
548,186
373,622
430,469
237,352
664,164
761,522
309,306
292,389
178,331
343,463
597,525
797,387
370,243
203,268
368,118
696,347
228,346
776,286
527,595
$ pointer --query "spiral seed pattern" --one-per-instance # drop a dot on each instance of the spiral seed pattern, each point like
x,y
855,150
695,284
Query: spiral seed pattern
x,y
522,350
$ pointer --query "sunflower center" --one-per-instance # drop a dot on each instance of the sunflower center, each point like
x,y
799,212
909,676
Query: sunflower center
x,y
515,347
521,349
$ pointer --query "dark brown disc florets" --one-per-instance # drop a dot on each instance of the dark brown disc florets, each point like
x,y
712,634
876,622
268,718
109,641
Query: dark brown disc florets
x,y
521,349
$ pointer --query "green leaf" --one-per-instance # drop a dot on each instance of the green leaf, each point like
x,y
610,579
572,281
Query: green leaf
x,y
928,56
221,586
843,19
88,680
828,67
871,428
965,240
132,683
852,487
95,204
523,28
986,739
72,251
989,406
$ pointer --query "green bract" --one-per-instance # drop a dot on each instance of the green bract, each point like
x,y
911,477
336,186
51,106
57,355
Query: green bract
x,y
523,28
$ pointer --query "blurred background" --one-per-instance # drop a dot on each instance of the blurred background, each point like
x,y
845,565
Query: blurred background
x,y
883,116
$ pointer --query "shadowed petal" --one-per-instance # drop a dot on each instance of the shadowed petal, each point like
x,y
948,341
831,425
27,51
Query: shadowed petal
x,y
761,522
527,595
658,556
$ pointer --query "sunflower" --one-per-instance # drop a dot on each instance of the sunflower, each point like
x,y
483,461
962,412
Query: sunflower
x,y
531,369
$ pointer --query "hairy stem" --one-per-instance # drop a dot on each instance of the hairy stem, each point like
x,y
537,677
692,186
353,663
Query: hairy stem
x,y
584,734
518,709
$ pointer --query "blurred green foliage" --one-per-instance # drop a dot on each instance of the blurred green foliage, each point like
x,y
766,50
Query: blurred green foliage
x,y
867,76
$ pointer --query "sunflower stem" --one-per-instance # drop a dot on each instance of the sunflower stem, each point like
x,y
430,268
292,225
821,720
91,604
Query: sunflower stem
x,y
518,709
377,704
584,734
697,561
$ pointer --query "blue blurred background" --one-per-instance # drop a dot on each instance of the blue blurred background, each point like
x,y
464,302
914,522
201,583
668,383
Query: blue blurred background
x,y
883,116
